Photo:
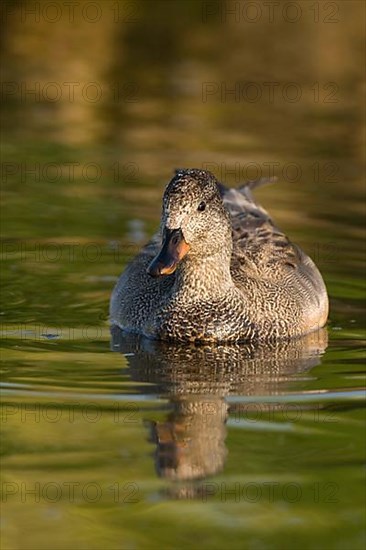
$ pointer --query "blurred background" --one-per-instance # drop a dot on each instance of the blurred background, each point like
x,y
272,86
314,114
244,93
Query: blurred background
x,y
101,101
196,82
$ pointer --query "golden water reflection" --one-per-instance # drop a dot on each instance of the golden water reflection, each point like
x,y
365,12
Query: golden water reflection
x,y
169,84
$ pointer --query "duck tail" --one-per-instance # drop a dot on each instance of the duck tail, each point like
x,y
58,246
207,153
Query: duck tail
x,y
247,187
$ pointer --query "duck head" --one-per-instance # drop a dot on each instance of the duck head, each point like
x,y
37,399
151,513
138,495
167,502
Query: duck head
x,y
194,223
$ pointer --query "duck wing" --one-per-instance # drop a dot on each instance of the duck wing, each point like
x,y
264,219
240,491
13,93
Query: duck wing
x,y
260,248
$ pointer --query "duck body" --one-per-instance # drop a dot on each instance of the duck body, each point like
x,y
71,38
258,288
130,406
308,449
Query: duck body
x,y
219,270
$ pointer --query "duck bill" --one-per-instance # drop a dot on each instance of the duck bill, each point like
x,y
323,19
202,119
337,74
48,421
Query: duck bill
x,y
173,250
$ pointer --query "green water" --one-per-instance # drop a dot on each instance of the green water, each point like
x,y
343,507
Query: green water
x,y
114,443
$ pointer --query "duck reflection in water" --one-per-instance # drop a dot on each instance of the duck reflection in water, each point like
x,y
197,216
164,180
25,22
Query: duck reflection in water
x,y
198,380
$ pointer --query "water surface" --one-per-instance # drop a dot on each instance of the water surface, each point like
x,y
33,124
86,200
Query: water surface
x,y
112,442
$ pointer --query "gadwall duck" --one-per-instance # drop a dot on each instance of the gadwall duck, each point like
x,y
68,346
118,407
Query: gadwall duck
x,y
219,270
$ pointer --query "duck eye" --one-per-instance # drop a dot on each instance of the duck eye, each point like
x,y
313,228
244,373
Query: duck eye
x,y
201,207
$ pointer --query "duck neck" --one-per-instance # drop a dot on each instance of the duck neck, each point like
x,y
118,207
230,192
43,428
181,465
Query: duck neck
x,y
203,278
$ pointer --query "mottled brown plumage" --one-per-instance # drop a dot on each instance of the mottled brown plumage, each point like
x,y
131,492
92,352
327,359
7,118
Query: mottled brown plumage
x,y
231,274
